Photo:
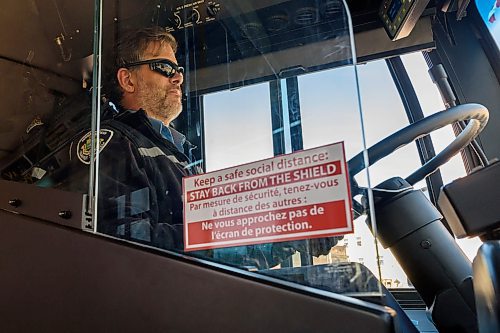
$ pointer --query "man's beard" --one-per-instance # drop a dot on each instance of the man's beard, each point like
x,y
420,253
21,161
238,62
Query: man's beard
x,y
159,103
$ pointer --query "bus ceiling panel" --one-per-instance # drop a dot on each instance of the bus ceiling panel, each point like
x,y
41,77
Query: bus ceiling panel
x,y
318,55
279,64
57,35
22,38
27,40
181,14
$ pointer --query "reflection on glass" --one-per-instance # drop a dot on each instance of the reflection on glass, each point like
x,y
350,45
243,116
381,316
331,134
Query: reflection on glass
x,y
46,100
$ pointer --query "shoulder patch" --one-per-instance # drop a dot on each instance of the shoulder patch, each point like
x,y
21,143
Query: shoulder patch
x,y
83,147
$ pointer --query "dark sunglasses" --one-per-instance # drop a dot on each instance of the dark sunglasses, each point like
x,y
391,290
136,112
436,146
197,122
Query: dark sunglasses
x,y
163,66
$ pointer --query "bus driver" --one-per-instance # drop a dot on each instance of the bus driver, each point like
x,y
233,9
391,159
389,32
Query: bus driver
x,y
143,159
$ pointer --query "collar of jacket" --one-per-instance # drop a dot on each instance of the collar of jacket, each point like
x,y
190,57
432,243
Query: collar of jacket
x,y
140,121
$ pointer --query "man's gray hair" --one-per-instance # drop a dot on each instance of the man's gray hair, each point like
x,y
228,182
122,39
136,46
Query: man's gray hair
x,y
131,47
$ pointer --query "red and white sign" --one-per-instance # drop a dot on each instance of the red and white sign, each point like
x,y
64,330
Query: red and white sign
x,y
290,197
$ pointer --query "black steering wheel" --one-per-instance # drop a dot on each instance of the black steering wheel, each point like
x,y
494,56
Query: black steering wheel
x,y
476,113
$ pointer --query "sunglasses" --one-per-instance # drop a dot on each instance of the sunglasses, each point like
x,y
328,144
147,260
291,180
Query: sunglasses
x,y
163,66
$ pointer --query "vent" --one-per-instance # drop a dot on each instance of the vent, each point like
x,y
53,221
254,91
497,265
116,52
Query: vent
x,y
252,30
306,16
332,8
277,22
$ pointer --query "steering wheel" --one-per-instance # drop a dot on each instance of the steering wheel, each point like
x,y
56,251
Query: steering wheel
x,y
476,113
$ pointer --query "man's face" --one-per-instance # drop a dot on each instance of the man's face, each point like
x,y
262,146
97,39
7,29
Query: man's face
x,y
159,95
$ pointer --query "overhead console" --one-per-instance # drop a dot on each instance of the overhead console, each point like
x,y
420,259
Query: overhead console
x,y
238,44
232,43
400,16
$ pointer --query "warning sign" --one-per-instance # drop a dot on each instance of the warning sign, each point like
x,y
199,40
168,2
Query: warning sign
x,y
290,197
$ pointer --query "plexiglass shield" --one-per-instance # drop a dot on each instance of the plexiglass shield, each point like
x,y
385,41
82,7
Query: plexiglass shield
x,y
227,131
222,131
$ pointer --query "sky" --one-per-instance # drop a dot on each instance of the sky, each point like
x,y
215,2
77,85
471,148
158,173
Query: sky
x,y
490,13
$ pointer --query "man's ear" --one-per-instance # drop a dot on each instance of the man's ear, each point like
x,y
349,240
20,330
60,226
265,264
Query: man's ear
x,y
125,80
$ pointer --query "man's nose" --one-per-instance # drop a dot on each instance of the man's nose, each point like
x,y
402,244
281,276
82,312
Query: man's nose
x,y
178,78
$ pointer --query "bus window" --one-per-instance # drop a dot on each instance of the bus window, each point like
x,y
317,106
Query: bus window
x,y
489,11
237,127
431,102
383,114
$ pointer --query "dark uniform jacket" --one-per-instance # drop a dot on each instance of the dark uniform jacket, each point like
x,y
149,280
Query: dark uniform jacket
x,y
140,180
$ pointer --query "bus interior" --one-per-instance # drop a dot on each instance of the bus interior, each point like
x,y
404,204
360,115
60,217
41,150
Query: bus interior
x,y
290,223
